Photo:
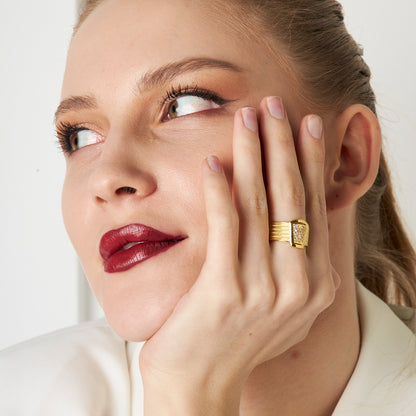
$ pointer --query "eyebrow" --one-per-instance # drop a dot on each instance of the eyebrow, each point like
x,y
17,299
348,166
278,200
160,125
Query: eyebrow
x,y
149,80
170,71
76,103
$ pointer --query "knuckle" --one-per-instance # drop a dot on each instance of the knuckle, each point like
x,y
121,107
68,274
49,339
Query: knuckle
x,y
297,296
295,194
258,204
318,204
228,302
301,289
324,298
262,298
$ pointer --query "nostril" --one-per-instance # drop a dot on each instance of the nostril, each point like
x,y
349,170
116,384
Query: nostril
x,y
125,190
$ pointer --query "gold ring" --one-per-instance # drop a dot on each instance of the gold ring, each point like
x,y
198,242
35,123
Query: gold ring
x,y
295,232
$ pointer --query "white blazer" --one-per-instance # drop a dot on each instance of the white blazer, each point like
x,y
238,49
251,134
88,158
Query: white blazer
x,y
87,370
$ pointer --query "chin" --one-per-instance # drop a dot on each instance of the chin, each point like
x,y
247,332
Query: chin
x,y
138,320
137,302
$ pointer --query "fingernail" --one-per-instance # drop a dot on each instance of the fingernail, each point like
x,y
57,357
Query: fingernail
x,y
315,126
275,107
214,164
250,118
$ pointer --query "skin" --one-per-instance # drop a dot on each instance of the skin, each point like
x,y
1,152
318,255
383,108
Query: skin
x,y
278,321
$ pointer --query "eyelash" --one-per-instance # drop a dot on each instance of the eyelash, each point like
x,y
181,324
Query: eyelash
x,y
65,130
175,93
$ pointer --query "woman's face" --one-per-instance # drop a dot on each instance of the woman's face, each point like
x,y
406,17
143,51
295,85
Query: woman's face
x,y
150,90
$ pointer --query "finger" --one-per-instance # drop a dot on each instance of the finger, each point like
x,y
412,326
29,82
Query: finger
x,y
311,156
248,188
284,182
285,192
222,219
251,201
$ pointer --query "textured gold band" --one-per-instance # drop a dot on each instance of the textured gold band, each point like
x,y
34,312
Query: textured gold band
x,y
295,232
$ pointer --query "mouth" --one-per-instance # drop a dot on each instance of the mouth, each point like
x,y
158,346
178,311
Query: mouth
x,y
123,248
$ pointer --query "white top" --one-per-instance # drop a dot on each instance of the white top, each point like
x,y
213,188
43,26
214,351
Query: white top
x,y
87,370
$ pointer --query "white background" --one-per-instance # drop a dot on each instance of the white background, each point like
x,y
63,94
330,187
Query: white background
x,y
40,288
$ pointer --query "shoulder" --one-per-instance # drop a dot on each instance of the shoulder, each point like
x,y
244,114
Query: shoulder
x,y
70,336
57,349
72,366
384,380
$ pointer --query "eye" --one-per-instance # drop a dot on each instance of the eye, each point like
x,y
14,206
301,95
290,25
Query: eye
x,y
189,104
72,137
81,138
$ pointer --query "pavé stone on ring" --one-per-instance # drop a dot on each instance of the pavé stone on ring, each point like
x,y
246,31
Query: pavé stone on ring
x,y
295,232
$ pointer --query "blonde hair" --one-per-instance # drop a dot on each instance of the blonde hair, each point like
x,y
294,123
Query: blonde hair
x,y
330,68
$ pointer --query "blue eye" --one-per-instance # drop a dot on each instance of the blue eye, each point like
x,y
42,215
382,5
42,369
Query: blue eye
x,y
81,138
189,104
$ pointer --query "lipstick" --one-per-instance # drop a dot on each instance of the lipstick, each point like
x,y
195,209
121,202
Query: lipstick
x,y
123,248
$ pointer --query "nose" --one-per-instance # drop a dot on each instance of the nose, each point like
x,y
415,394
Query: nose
x,y
118,173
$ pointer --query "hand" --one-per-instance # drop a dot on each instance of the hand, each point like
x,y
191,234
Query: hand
x,y
253,299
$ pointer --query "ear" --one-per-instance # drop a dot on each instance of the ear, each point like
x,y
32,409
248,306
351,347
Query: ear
x,y
353,154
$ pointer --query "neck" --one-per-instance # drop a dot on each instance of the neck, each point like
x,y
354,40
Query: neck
x,y
309,378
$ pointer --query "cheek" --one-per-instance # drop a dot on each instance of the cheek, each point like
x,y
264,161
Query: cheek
x,y
81,232
139,301
68,204
73,205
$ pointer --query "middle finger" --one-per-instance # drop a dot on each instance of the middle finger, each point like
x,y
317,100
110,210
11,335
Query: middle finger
x,y
250,198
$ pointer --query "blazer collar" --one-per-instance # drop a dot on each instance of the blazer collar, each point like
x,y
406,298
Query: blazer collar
x,y
384,380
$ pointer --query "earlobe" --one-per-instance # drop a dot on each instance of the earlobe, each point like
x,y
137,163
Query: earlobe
x,y
355,156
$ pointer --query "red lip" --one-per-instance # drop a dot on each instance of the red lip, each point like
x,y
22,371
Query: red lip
x,y
150,242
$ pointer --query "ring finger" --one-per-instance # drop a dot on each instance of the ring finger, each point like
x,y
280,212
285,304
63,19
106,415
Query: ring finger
x,y
286,195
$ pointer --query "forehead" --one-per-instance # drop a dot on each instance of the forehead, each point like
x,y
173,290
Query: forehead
x,y
130,37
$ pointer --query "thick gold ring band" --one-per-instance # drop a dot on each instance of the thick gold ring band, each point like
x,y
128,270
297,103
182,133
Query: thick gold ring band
x,y
295,232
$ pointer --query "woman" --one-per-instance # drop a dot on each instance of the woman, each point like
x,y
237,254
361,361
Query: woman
x,y
194,133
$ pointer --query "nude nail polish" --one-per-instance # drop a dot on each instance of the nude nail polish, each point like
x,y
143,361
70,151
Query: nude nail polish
x,y
315,126
276,108
250,118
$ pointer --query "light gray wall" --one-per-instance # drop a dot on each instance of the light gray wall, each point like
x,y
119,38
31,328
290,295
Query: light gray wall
x,y
386,30
39,284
